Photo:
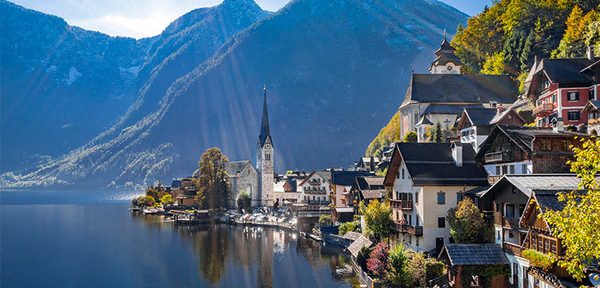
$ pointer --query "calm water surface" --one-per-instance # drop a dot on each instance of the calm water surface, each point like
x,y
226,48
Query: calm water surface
x,y
69,239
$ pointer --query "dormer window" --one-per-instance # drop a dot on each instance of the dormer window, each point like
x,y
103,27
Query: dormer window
x,y
573,96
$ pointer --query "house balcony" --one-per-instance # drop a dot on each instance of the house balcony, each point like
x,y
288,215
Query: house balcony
x,y
405,205
506,221
594,122
411,230
499,156
543,109
513,249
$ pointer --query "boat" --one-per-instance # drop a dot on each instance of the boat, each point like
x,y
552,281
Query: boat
x,y
151,211
135,209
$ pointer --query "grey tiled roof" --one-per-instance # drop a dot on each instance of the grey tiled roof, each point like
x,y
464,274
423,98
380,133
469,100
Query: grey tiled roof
x,y
461,88
566,70
481,116
474,254
352,235
529,182
432,163
236,167
358,244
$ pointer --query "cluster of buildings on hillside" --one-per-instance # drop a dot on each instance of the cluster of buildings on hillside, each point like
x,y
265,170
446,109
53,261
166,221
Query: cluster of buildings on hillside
x,y
507,152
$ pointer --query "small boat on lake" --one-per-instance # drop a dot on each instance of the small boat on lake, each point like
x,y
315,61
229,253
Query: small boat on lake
x,y
151,211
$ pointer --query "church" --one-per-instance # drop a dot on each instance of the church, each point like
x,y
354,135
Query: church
x,y
256,181
443,94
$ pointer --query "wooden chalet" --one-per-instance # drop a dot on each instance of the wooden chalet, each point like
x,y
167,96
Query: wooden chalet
x,y
474,257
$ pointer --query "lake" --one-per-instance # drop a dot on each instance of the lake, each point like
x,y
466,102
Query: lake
x,y
75,239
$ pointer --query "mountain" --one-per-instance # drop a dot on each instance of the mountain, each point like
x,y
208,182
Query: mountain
x,y
62,85
335,70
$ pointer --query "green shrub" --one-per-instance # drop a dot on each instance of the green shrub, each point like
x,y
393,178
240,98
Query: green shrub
x,y
539,259
348,227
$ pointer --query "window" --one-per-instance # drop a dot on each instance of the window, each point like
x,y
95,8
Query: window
x,y
509,211
573,115
504,169
591,94
398,175
524,169
402,173
498,234
573,96
546,145
441,222
441,198
512,169
498,170
410,219
554,98
417,197
417,222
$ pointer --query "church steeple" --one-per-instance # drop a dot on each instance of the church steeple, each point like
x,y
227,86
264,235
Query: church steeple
x,y
445,61
265,131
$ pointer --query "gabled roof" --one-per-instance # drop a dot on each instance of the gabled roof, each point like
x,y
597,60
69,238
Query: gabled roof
x,y
325,175
566,71
424,121
460,88
526,183
346,178
474,254
480,116
447,109
237,167
358,244
433,164
592,105
541,201
522,137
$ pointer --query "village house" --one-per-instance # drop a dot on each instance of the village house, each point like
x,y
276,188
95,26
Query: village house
x,y
462,258
561,88
184,191
505,203
366,189
285,191
476,123
341,183
367,164
315,188
592,109
539,238
427,180
443,95
526,150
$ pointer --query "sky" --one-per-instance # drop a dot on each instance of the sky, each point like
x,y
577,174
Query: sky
x,y
145,18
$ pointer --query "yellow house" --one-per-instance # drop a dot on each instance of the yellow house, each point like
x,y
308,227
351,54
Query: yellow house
x,y
427,180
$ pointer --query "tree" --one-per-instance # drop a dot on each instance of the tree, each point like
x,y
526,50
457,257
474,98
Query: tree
x,y
348,227
213,182
420,269
397,267
325,220
436,134
578,223
388,134
378,218
145,201
410,137
377,263
467,223
167,199
244,201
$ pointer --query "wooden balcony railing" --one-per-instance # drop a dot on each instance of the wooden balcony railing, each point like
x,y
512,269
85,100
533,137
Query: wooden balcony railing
x,y
594,121
406,205
513,249
411,230
499,156
543,109
499,219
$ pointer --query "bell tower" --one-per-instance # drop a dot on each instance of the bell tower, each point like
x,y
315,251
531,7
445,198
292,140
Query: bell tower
x,y
264,160
445,61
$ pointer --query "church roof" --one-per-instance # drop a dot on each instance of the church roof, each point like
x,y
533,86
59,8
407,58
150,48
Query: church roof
x,y
460,88
236,167
265,131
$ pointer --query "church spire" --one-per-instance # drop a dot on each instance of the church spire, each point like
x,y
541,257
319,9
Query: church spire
x,y
265,131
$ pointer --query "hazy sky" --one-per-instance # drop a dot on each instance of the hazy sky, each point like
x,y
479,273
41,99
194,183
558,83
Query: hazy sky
x,y
143,18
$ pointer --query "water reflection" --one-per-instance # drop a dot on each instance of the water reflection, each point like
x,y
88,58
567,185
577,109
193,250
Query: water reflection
x,y
257,256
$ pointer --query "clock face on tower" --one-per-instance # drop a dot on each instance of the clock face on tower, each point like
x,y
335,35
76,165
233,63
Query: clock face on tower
x,y
267,146
449,67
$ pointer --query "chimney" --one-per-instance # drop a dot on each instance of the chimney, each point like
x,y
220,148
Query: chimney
x,y
457,153
500,109
590,52
558,125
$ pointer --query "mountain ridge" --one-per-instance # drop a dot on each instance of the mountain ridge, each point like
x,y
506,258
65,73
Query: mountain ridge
x,y
360,48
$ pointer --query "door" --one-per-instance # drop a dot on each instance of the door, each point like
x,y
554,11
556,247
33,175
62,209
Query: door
x,y
439,244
